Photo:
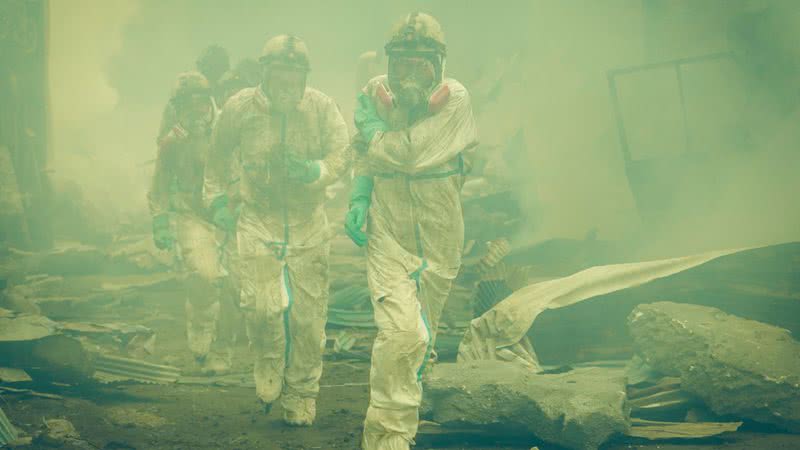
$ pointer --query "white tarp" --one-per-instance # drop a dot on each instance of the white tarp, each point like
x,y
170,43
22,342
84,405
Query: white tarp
x,y
501,332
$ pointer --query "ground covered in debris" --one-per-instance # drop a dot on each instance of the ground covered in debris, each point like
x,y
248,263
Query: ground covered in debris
x,y
227,416
128,305
199,417
212,417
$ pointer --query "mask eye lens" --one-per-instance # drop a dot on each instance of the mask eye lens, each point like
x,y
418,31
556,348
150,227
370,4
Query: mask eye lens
x,y
285,85
287,77
199,101
408,67
195,104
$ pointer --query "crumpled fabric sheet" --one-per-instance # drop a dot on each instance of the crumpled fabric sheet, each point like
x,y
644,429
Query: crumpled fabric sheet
x,y
501,333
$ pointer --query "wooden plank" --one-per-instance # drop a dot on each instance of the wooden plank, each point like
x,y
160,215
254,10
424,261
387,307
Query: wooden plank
x,y
664,384
662,400
13,375
655,430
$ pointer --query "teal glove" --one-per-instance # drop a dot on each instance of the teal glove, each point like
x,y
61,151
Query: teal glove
x,y
222,216
163,236
367,119
303,170
360,198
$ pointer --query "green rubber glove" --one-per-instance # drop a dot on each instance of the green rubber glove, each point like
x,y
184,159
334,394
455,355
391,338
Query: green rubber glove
x,y
360,199
303,170
163,236
367,119
222,216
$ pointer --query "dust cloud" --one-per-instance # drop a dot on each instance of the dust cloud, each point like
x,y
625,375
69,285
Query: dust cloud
x,y
538,73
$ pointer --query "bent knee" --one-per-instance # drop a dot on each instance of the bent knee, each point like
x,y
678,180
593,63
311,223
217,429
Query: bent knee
x,y
203,262
405,339
204,286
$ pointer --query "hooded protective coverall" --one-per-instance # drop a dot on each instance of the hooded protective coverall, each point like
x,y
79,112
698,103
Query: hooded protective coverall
x,y
416,233
416,159
175,199
282,233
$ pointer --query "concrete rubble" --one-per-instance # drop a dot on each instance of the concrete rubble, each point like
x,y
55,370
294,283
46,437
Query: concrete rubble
x,y
60,433
133,417
738,367
75,353
579,409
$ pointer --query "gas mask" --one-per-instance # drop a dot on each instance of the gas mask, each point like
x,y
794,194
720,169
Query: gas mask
x,y
284,86
411,79
195,114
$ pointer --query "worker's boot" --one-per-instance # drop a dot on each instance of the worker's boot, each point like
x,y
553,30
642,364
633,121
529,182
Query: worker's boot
x,y
217,362
297,411
391,441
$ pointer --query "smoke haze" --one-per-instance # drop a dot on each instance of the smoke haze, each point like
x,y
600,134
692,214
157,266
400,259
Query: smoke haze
x,y
536,69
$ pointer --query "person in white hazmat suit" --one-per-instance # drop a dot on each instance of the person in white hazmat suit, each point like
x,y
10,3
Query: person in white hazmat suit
x,y
291,142
415,129
180,223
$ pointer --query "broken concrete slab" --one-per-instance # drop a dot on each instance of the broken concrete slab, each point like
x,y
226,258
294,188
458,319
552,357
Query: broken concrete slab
x,y
736,366
61,433
433,435
132,417
135,340
580,409
13,375
26,327
32,343
60,429
62,351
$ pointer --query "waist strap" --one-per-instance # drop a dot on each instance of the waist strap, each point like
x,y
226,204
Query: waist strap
x,y
427,176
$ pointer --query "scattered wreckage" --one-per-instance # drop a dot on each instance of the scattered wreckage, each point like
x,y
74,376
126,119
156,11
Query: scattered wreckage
x,y
505,381
695,371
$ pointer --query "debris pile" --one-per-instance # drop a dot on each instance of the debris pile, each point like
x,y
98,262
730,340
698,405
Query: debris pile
x,y
692,372
579,409
738,367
